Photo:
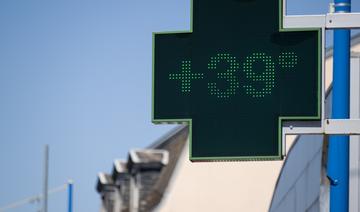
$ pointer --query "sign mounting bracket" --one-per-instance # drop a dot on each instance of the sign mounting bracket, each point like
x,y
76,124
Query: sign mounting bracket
x,y
325,126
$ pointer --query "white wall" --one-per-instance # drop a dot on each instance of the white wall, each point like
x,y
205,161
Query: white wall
x,y
220,186
298,188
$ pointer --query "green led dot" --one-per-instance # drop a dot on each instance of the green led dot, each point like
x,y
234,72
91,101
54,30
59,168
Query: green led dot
x,y
288,60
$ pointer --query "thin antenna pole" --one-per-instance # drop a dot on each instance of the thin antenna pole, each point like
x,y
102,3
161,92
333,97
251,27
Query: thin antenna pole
x,y
46,175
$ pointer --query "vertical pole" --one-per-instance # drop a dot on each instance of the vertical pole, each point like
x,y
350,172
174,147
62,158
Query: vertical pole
x,y
70,196
338,161
45,182
354,185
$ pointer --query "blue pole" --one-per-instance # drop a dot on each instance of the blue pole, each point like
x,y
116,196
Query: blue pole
x,y
70,196
338,158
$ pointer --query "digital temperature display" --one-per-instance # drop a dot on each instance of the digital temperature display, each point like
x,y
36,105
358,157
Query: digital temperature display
x,y
235,77
286,60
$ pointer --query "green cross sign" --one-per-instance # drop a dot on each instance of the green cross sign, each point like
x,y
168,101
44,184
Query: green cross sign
x,y
235,77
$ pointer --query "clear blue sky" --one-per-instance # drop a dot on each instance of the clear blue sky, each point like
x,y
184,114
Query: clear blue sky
x,y
76,74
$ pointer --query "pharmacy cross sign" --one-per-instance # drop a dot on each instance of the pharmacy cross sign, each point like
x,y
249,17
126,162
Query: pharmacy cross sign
x,y
235,77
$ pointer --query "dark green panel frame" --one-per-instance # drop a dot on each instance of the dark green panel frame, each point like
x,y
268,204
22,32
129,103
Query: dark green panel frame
x,y
235,77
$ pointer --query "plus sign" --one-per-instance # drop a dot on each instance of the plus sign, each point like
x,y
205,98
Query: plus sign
x,y
254,75
186,76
